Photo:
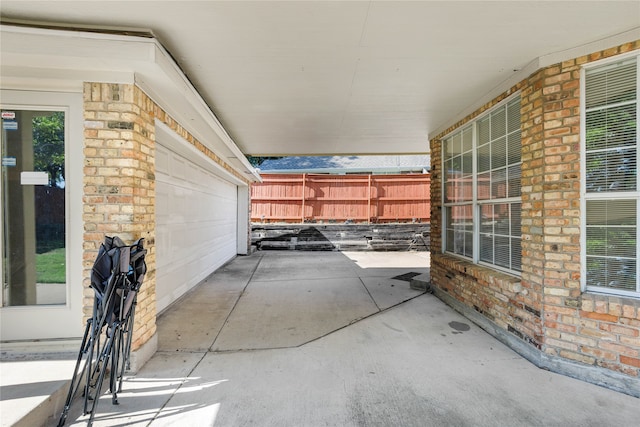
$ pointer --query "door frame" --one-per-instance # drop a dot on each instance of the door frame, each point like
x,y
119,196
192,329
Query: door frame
x,y
50,322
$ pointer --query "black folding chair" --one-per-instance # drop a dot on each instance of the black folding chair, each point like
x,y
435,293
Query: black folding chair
x,y
116,278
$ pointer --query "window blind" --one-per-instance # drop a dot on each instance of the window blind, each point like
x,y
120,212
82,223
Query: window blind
x,y
611,177
495,150
611,128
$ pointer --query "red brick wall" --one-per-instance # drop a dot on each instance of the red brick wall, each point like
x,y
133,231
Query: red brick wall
x,y
545,307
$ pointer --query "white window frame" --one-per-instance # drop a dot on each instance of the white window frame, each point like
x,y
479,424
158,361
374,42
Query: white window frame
x,y
474,202
626,195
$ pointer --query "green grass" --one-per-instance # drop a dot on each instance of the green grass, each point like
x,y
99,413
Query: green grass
x,y
50,267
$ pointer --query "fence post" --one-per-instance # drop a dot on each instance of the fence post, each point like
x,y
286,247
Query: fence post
x,y
369,203
304,194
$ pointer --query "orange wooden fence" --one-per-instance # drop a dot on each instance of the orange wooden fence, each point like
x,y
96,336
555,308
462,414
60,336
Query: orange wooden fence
x,y
339,198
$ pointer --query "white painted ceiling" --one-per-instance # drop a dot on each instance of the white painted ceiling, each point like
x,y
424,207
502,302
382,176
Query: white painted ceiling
x,y
346,77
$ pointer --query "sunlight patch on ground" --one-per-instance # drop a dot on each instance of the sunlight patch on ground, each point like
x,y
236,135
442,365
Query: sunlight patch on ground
x,y
390,259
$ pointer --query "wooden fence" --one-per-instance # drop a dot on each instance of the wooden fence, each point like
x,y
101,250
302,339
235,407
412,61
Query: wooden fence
x,y
310,198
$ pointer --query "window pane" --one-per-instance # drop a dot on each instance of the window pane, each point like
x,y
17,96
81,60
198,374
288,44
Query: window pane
x,y
467,163
611,228
456,144
484,186
514,148
484,158
467,139
500,238
614,273
611,127
450,240
449,180
498,123
513,178
501,218
466,190
513,116
484,131
611,212
448,149
612,170
516,254
611,84
502,252
486,248
499,153
516,221
449,191
463,216
597,241
448,165
468,245
456,164
612,241
612,245
499,184
487,219
459,230
458,188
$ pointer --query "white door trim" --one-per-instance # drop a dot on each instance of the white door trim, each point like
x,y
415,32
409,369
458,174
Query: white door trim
x,y
65,321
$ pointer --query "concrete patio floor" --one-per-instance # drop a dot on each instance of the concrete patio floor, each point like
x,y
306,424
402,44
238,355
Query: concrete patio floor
x,y
332,339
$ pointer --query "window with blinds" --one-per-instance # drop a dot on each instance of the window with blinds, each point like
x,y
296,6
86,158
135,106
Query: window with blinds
x,y
458,193
611,196
482,165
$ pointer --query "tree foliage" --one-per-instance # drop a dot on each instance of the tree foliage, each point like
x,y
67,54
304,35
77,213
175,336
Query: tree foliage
x,y
257,161
48,146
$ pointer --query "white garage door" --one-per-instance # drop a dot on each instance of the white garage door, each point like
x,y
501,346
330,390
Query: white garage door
x,y
196,224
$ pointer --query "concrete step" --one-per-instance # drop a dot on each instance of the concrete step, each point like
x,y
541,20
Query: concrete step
x,y
35,380
421,282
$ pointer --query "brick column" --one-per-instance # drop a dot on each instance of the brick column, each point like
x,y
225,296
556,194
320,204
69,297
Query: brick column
x,y
532,191
551,229
119,186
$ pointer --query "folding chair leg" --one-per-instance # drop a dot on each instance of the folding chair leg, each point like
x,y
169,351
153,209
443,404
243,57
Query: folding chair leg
x,y
130,323
102,363
73,386
94,348
127,332
115,365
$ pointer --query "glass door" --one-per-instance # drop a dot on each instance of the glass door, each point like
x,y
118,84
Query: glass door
x,y
33,208
40,139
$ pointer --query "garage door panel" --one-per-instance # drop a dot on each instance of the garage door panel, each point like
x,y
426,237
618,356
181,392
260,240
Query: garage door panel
x,y
196,225
162,202
206,254
162,246
162,160
178,167
177,277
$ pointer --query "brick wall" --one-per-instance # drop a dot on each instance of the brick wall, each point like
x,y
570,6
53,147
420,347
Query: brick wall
x,y
545,307
119,183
